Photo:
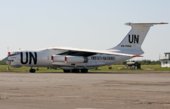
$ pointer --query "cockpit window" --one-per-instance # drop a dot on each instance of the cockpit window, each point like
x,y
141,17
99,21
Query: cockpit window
x,y
14,53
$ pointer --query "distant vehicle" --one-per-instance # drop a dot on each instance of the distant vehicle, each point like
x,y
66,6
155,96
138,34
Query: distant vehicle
x,y
81,60
133,65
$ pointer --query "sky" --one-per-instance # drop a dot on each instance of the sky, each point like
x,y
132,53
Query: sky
x,y
89,24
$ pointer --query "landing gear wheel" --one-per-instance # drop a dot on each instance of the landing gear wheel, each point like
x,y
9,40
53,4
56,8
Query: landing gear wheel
x,y
66,71
75,70
32,70
84,70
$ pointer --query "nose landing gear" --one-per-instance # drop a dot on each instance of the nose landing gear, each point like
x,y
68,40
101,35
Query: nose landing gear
x,y
32,70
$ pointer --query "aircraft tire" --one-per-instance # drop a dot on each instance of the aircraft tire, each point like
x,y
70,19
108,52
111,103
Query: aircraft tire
x,y
66,71
32,70
75,71
84,70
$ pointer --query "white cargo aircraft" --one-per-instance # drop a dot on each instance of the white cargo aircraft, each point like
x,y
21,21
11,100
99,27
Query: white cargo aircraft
x,y
81,60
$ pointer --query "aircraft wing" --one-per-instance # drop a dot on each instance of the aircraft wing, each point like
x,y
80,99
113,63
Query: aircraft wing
x,y
87,52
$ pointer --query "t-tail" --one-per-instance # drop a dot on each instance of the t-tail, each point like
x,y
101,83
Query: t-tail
x,y
132,42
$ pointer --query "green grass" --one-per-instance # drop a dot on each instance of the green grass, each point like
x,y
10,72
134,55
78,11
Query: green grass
x,y
122,68
5,68
115,68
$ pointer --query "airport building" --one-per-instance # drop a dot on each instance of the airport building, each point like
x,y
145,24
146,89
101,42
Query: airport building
x,y
165,60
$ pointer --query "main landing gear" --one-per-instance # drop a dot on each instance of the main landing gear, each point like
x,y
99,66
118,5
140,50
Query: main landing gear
x,y
75,70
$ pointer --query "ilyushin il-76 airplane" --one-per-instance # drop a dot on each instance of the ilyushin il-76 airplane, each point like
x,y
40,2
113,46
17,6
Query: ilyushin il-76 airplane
x,y
81,60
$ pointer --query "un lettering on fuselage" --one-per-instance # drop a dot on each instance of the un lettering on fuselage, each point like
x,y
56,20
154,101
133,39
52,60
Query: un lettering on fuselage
x,y
30,58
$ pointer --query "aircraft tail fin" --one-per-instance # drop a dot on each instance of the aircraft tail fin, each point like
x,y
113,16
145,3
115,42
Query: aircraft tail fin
x,y
132,42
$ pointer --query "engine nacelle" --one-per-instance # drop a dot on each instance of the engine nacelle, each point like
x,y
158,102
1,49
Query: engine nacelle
x,y
69,59
58,58
75,59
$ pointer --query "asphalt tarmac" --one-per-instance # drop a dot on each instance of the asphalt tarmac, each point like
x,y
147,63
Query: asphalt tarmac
x,y
84,91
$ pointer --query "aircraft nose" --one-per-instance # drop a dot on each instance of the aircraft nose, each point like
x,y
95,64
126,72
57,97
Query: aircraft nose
x,y
13,60
9,60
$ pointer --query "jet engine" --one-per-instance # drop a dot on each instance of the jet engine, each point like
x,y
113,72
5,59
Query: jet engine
x,y
69,59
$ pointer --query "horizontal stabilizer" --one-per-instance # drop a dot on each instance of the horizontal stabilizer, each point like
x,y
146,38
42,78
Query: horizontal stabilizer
x,y
150,24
